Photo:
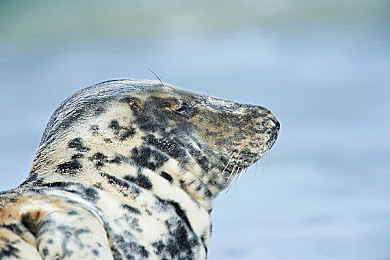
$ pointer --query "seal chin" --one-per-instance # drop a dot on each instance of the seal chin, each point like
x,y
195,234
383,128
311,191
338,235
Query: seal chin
x,y
239,160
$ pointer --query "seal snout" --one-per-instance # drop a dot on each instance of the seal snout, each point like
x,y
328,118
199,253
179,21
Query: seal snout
x,y
275,121
263,113
267,127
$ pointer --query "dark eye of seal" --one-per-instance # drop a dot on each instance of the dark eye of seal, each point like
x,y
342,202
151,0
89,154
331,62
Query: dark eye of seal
x,y
185,109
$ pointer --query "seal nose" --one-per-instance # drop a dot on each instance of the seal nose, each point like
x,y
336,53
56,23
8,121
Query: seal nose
x,y
277,124
275,121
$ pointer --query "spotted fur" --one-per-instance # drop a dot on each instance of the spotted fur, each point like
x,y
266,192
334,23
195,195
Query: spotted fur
x,y
129,169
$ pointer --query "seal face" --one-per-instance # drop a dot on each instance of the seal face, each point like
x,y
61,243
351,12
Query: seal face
x,y
128,169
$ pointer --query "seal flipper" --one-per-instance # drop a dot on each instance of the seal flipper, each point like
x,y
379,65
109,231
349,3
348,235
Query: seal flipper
x,y
14,247
72,235
67,231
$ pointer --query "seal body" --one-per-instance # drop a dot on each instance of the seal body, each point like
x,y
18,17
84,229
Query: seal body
x,y
129,169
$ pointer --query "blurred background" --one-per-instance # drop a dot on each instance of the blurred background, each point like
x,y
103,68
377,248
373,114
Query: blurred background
x,y
322,67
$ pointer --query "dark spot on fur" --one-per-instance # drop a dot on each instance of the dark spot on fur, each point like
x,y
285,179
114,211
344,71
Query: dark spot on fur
x,y
179,211
200,158
203,239
134,103
213,182
78,156
131,209
99,110
149,158
77,144
70,167
152,117
71,235
72,212
124,248
99,159
114,124
203,163
34,179
14,227
146,124
179,245
45,251
141,180
122,132
86,192
170,146
90,194
126,188
127,133
95,127
167,176
98,186
208,193
57,184
117,160
8,251
29,223
150,213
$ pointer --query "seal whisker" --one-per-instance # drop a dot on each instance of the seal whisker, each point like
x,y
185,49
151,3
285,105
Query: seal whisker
x,y
229,187
234,167
231,183
237,162
254,160
237,175
231,156
230,175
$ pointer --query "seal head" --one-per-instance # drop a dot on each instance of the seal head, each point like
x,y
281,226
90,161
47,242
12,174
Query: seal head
x,y
196,141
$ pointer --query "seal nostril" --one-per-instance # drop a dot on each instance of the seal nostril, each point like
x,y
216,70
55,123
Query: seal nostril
x,y
277,124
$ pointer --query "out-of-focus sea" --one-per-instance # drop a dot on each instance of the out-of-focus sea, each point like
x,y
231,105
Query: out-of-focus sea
x,y
322,192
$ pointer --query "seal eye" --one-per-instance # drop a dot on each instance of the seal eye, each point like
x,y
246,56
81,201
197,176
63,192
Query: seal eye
x,y
184,109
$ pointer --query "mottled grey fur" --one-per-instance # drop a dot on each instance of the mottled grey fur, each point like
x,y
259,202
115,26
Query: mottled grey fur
x,y
129,169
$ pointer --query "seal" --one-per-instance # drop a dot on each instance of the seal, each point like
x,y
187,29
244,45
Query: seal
x,y
129,169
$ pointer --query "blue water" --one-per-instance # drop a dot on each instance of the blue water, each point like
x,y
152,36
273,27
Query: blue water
x,y
322,192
